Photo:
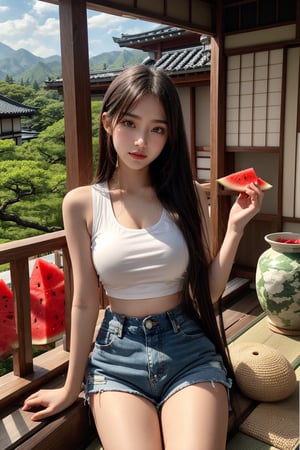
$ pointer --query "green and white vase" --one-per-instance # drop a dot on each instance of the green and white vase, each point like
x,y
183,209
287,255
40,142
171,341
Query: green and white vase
x,y
278,282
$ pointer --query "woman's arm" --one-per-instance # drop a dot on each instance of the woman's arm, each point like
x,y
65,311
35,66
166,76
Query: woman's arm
x,y
246,206
85,307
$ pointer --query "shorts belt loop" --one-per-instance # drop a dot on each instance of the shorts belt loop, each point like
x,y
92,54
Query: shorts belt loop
x,y
119,329
174,323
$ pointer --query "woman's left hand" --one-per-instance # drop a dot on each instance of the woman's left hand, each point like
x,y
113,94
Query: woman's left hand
x,y
246,206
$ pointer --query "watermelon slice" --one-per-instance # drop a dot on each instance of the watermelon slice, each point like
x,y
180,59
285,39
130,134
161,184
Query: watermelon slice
x,y
8,333
288,241
47,300
238,181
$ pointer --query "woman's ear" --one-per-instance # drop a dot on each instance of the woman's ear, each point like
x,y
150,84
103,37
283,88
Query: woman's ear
x,y
106,123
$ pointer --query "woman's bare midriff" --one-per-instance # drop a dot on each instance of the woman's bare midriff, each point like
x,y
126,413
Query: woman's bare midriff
x,y
146,306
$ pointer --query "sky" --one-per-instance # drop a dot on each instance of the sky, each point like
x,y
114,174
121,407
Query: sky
x,y
34,26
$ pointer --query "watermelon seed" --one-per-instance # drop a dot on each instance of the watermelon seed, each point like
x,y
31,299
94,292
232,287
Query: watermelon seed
x,y
41,301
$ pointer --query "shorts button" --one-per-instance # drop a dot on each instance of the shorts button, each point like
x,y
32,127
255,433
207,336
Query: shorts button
x,y
148,324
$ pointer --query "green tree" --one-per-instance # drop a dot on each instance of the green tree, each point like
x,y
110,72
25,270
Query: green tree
x,y
50,110
9,79
49,146
31,192
50,105
35,85
33,175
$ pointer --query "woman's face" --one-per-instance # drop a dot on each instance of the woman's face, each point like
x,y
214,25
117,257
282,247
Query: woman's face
x,y
141,134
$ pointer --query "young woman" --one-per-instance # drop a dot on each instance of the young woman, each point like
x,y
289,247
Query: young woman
x,y
158,376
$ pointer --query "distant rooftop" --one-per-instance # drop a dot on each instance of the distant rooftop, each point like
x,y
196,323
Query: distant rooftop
x,y
181,60
12,108
158,34
187,60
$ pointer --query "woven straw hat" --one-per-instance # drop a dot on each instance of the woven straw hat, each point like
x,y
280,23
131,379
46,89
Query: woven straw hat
x,y
262,373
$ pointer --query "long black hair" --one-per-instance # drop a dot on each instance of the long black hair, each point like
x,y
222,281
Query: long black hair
x,y
173,182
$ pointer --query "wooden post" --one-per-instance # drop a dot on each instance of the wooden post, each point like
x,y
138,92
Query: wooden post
x,y
23,362
219,203
76,89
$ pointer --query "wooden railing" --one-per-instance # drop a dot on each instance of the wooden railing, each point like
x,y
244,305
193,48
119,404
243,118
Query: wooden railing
x,y
26,371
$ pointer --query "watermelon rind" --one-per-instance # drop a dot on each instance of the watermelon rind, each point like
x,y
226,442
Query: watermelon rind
x,y
238,181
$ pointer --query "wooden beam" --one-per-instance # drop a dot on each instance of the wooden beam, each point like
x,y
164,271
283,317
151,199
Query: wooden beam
x,y
219,204
76,88
193,15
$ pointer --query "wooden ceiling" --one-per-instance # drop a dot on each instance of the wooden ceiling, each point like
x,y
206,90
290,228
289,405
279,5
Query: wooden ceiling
x,y
194,15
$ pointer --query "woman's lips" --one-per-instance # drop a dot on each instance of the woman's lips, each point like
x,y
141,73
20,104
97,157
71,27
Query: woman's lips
x,y
137,155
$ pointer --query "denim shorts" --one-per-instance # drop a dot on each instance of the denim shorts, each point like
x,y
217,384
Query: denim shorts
x,y
153,357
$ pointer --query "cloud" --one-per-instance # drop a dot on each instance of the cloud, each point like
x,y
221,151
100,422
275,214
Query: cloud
x,y
42,39
34,25
42,8
103,21
11,29
49,28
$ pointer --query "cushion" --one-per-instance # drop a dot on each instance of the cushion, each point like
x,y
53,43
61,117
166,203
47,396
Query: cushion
x,y
262,373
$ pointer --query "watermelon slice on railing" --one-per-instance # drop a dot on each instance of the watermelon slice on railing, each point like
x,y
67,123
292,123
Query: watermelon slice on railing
x,y
238,181
8,333
47,300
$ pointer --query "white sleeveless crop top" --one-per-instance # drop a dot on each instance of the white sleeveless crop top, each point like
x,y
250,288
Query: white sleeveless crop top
x,y
136,263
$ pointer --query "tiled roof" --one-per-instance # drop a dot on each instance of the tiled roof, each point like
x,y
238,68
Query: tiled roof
x,y
175,62
157,34
9,107
185,60
104,75
181,61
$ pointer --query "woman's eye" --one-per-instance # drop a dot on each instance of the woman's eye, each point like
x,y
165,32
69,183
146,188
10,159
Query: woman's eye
x,y
128,123
159,130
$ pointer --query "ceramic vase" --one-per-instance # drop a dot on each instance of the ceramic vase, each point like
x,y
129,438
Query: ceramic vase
x,y
278,282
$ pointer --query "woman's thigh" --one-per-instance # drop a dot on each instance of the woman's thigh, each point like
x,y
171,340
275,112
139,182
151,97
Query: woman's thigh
x,y
126,421
196,418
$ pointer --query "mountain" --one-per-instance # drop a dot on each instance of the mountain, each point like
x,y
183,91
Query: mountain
x,y
23,66
5,50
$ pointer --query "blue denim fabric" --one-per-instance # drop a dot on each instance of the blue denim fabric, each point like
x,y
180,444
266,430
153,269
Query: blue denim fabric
x,y
154,356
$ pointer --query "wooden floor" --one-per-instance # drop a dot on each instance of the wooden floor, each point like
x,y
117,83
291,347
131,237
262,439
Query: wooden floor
x,y
74,429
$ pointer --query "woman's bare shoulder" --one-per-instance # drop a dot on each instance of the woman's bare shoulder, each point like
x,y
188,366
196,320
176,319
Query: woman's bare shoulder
x,y
78,195
78,200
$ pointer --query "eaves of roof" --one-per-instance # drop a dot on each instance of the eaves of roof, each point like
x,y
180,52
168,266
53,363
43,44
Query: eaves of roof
x,y
9,107
158,34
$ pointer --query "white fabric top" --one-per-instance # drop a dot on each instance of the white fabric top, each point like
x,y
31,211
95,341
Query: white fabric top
x,y
136,263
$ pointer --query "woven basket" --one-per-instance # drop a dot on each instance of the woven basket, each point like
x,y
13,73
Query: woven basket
x,y
262,373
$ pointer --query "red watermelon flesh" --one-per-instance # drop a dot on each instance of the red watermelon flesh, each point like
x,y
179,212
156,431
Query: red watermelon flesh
x,y
238,181
47,300
8,333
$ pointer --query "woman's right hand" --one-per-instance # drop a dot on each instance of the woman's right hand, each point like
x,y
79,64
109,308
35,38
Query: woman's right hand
x,y
46,403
